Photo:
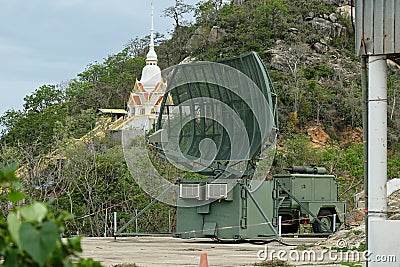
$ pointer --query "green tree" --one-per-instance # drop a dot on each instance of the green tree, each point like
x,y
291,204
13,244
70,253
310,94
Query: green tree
x,y
44,97
206,12
320,98
177,11
107,84
297,150
24,128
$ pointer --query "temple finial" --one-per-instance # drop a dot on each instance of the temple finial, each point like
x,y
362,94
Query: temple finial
x,y
152,26
151,58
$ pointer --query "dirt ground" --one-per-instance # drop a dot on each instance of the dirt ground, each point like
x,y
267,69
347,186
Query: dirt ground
x,y
168,251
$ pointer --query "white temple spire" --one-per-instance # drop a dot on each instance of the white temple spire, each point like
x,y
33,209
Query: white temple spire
x,y
151,58
152,26
151,74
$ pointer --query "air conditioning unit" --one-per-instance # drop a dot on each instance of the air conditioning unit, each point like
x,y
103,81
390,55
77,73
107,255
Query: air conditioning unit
x,y
189,191
217,191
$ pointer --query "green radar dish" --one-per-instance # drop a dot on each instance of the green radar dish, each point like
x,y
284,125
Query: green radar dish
x,y
217,114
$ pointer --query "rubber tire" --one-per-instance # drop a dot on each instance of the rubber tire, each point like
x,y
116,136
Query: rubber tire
x,y
326,217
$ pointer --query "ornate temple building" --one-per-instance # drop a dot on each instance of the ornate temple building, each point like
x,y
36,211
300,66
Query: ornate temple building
x,y
146,97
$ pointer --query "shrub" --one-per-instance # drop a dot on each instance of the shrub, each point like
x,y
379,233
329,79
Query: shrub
x,y
31,233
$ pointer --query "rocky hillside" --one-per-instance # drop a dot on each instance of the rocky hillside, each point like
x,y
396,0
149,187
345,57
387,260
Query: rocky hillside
x,y
307,46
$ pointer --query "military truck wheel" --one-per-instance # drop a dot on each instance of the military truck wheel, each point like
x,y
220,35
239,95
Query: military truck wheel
x,y
325,216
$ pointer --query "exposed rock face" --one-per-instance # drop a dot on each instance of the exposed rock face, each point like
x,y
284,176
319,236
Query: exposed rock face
x,y
321,24
345,11
352,135
318,136
355,218
197,39
336,2
326,26
278,62
284,59
290,58
394,206
320,47
333,17
354,238
188,59
325,23
201,36
216,34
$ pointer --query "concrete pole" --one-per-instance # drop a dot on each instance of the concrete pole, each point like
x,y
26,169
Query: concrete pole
x,y
364,105
105,223
115,223
279,226
377,142
136,221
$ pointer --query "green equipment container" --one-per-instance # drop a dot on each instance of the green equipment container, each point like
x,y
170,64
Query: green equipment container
x,y
233,214
299,197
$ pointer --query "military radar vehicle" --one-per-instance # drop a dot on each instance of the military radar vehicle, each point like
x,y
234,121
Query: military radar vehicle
x,y
220,121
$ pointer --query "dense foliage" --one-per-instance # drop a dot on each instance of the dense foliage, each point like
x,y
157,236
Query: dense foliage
x,y
307,45
30,235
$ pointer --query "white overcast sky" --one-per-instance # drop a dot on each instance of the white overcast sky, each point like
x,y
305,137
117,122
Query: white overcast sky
x,y
50,41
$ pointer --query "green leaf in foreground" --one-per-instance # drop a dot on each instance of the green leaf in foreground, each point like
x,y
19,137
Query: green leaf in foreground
x,y
34,213
14,225
14,196
39,243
